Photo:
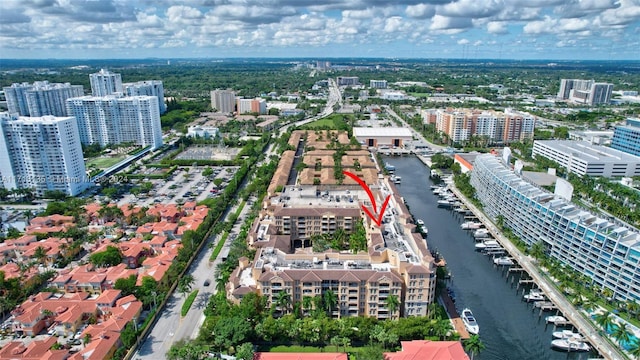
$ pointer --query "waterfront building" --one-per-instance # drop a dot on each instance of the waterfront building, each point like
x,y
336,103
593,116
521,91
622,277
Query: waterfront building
x,y
40,98
257,105
493,126
605,251
113,120
378,84
290,256
388,136
626,137
223,100
583,158
41,153
147,88
105,83
586,92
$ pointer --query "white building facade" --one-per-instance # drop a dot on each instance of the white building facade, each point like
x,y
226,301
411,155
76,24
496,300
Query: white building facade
x,y
114,120
223,100
583,158
105,83
606,252
41,153
147,88
40,98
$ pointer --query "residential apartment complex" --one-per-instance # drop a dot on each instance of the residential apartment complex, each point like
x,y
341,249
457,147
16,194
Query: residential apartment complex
x,y
378,84
257,105
113,120
348,80
604,251
223,100
287,238
495,127
105,83
147,88
586,92
41,153
626,138
40,98
583,158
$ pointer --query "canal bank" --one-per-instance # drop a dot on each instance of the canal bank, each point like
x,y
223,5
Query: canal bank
x,y
509,327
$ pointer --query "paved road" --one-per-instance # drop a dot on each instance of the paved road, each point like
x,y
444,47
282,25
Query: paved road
x,y
433,146
170,326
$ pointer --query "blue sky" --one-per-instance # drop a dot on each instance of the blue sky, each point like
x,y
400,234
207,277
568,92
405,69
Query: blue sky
x,y
473,29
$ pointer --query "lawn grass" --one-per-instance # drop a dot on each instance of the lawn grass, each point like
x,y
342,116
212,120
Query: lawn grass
x,y
188,302
105,162
320,123
334,121
419,95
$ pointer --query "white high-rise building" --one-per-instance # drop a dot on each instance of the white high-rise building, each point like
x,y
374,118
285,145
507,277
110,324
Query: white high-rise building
x,y
586,92
105,83
41,153
40,98
378,84
114,120
147,88
223,100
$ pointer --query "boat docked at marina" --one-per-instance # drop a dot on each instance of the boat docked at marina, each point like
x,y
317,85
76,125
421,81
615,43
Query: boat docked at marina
x,y
444,203
567,334
534,295
471,225
556,320
503,261
481,233
395,179
488,244
470,322
570,345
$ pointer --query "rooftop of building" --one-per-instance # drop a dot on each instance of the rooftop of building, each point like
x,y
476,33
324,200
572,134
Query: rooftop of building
x,y
627,235
588,152
382,132
429,350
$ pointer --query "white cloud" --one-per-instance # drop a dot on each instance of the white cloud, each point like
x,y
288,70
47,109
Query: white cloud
x,y
420,11
463,42
496,27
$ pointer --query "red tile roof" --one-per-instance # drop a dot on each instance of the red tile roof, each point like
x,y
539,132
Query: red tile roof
x,y
429,350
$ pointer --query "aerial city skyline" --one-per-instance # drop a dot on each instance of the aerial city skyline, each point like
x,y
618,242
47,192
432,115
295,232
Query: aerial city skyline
x,y
466,29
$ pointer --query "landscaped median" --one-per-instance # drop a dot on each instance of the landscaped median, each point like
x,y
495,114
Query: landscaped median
x,y
188,301
223,238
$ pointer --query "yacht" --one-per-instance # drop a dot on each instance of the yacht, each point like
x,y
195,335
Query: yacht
x,y
471,225
488,244
534,295
470,322
570,345
556,320
395,179
481,233
420,222
444,203
567,334
503,261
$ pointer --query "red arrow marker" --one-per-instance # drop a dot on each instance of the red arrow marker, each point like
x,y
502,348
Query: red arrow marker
x,y
377,218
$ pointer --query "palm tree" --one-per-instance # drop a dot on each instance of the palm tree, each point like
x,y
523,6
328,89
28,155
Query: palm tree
x,y
330,301
621,334
185,284
634,349
604,320
537,250
40,254
283,301
392,304
307,303
474,345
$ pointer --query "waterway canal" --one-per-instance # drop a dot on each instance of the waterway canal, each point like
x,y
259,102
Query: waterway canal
x,y
509,327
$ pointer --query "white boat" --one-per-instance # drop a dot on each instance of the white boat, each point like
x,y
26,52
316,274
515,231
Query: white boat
x,y
395,179
503,261
444,203
556,320
488,244
534,295
420,222
470,322
471,225
481,233
567,334
570,345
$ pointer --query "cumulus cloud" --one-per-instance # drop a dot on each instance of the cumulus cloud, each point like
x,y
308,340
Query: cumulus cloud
x,y
496,27
420,11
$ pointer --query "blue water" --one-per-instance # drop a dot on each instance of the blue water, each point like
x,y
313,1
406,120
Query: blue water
x,y
509,327
625,344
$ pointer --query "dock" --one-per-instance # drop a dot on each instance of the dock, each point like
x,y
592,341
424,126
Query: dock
x,y
457,323
607,349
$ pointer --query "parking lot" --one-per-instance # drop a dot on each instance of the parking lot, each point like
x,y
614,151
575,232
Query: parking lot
x,y
203,152
186,184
